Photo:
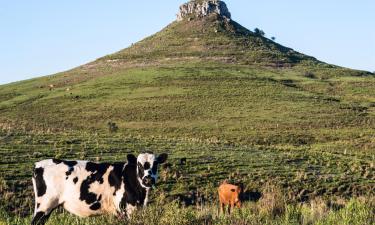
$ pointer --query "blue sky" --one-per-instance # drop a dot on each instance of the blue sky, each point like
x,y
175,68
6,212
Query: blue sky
x,y
43,37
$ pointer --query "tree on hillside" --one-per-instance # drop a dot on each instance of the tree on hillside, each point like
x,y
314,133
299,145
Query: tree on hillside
x,y
259,32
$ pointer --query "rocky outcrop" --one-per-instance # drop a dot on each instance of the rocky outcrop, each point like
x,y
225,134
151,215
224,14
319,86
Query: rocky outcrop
x,y
202,8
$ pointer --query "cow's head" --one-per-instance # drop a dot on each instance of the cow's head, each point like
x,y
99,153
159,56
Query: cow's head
x,y
239,194
147,167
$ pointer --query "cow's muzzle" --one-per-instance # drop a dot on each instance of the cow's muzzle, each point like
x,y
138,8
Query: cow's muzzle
x,y
148,181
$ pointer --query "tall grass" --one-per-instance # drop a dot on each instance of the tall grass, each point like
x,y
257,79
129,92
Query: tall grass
x,y
357,211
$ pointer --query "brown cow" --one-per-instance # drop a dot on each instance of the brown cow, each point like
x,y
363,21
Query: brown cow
x,y
229,194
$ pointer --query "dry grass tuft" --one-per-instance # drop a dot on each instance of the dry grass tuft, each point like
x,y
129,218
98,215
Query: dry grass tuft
x,y
272,203
315,210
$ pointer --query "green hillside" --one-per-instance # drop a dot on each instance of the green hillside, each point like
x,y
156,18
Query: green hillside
x,y
235,103
201,78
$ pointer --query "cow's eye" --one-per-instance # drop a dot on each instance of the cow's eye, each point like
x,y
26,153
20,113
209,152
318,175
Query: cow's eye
x,y
146,166
140,170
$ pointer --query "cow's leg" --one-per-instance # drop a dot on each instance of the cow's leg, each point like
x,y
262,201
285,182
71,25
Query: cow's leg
x,y
221,208
44,202
130,209
231,206
43,210
40,218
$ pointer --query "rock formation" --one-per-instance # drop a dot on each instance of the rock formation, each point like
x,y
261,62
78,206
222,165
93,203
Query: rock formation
x,y
202,8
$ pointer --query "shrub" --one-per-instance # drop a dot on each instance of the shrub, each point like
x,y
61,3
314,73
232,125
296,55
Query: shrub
x,y
259,32
112,127
309,74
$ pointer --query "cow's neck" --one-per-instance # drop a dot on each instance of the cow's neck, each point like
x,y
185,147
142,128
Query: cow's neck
x,y
135,194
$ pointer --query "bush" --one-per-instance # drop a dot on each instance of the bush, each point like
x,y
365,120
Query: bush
x,y
259,32
309,74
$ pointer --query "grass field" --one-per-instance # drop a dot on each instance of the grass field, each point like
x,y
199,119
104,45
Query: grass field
x,y
302,174
236,105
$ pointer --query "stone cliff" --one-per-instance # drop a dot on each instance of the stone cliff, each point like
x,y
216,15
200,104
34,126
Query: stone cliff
x,y
202,8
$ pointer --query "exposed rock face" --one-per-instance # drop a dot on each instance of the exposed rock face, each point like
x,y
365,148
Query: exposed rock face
x,y
202,8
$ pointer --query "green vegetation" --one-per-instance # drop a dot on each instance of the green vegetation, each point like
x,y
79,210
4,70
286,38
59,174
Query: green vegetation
x,y
353,212
237,105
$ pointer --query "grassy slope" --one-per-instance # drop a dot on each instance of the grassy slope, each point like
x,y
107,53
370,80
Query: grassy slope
x,y
208,90
204,100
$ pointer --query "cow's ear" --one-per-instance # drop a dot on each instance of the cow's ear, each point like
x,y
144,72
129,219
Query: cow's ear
x,y
162,158
131,159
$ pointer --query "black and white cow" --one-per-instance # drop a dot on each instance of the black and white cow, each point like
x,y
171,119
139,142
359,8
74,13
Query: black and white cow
x,y
87,189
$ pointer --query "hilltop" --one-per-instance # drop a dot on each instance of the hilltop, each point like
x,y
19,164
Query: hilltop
x,y
204,31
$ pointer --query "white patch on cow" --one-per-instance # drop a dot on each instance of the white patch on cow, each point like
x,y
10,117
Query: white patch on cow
x,y
119,195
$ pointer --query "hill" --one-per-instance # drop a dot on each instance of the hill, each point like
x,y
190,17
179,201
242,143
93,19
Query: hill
x,y
235,103
211,59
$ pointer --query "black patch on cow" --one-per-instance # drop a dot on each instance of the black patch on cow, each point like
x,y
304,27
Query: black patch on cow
x,y
70,163
75,180
146,166
39,181
115,177
141,170
95,206
135,194
37,205
56,161
97,172
232,190
69,172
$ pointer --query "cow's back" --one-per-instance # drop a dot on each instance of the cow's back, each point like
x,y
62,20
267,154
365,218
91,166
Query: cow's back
x,y
228,193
